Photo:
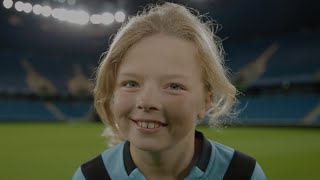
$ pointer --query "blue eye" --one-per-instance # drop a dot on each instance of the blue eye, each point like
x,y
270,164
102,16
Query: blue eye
x,y
131,84
175,87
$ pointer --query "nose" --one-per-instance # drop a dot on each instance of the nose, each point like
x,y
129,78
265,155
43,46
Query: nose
x,y
148,99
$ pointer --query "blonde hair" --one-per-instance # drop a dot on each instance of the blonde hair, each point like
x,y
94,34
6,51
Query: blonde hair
x,y
178,21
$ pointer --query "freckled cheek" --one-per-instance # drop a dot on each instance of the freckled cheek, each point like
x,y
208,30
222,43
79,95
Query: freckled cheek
x,y
181,111
122,103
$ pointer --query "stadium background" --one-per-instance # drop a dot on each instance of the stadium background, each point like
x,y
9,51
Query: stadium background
x,y
48,55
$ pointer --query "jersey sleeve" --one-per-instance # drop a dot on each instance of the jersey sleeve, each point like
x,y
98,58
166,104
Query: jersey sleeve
x,y
78,175
258,173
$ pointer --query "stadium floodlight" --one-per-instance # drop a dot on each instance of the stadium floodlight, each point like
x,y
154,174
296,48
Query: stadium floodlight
x,y
7,4
27,7
70,16
56,13
37,9
59,13
107,18
46,11
73,16
82,17
119,16
19,6
78,17
96,19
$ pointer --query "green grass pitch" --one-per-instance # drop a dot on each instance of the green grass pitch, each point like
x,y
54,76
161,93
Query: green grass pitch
x,y
54,151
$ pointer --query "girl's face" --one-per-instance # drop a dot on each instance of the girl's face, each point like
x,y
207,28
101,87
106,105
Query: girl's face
x,y
159,93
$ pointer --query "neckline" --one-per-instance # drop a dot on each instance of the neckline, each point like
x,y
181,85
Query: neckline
x,y
200,158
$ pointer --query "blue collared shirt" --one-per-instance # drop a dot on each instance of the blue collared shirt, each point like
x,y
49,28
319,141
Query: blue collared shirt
x,y
212,162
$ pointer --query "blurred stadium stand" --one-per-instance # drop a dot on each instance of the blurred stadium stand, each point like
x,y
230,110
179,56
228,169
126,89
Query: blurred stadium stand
x,y
295,60
47,66
279,110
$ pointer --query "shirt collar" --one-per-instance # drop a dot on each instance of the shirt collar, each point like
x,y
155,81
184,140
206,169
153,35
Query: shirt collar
x,y
201,156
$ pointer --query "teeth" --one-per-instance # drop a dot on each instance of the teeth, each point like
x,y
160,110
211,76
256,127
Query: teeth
x,y
144,125
149,125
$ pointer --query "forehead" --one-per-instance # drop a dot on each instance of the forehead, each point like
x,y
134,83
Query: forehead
x,y
161,52
160,43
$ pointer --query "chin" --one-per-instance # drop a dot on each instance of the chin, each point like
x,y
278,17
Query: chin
x,y
147,145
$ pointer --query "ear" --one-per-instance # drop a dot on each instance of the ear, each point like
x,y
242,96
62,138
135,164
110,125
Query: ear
x,y
207,105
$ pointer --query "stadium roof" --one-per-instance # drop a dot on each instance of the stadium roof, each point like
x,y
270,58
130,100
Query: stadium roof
x,y
240,20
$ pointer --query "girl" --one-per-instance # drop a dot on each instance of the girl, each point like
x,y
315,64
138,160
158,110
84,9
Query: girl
x,y
162,74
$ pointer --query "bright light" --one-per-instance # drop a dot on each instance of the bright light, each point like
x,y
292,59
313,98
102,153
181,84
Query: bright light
x,y
56,13
119,16
27,7
7,3
73,16
19,6
37,9
60,14
78,17
96,19
46,11
82,17
107,18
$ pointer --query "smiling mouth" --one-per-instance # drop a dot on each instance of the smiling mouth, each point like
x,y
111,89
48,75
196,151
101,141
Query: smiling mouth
x,y
149,124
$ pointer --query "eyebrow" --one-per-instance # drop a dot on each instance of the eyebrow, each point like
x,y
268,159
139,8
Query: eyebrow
x,y
165,76
176,76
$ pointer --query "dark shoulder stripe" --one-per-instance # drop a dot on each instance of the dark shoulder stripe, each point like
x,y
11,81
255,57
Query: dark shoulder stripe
x,y
128,162
241,167
204,153
95,169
